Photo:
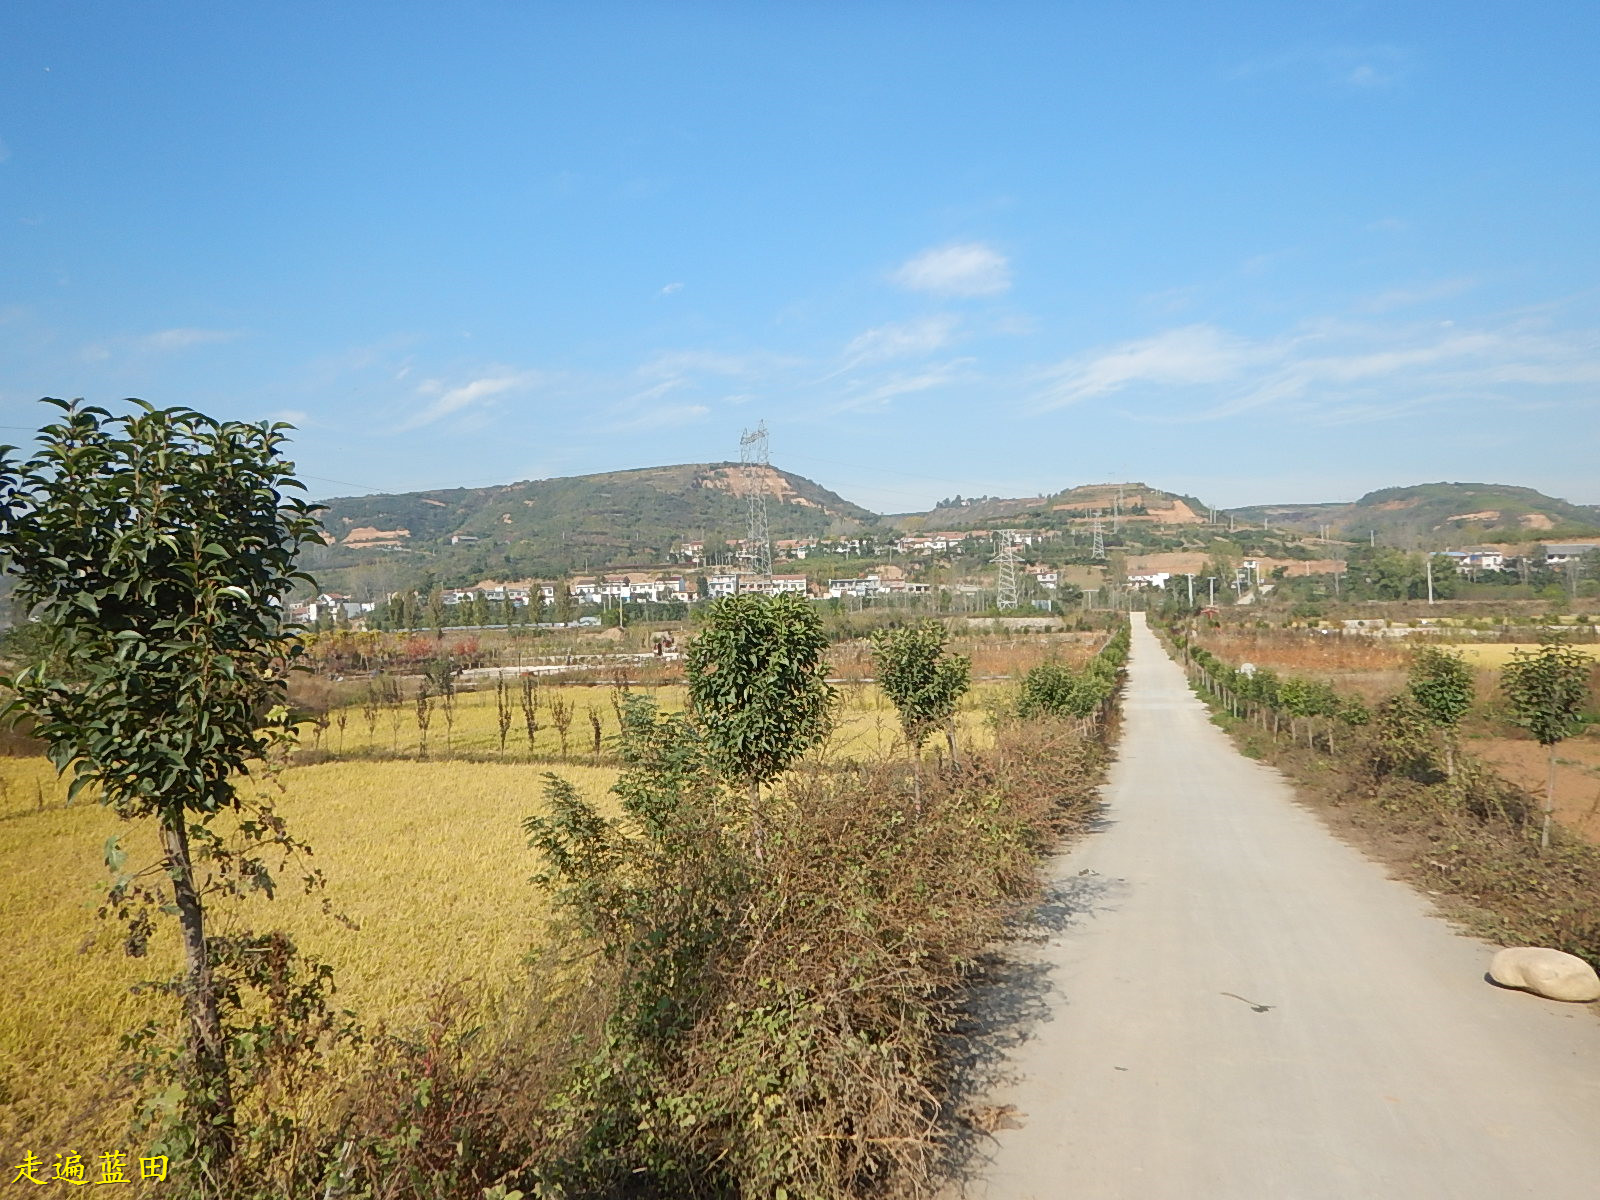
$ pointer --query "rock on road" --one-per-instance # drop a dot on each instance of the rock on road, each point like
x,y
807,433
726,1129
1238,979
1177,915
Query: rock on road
x,y
1238,1005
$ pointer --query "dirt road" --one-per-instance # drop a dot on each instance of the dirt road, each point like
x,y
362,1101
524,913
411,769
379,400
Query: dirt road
x,y
1233,1005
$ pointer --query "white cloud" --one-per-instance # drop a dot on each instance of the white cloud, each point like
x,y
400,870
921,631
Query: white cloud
x,y
1193,354
899,340
959,269
450,400
1327,372
670,288
294,416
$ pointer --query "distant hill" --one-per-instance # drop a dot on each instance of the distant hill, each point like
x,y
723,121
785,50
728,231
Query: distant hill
x,y
1139,504
546,527
1437,514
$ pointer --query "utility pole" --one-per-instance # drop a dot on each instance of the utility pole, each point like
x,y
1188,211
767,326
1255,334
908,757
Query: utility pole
x,y
753,459
1430,579
1190,578
1212,580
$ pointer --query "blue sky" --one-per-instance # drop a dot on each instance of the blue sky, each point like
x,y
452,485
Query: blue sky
x,y
1257,252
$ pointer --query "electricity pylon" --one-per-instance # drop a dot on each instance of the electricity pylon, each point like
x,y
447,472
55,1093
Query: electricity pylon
x,y
1099,536
753,460
1007,594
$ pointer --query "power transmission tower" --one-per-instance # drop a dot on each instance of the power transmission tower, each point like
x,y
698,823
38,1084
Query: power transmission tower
x,y
753,459
1099,536
1006,593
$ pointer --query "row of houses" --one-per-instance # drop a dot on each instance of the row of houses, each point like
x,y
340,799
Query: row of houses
x,y
694,552
1493,558
585,589
329,606
940,543
623,589
922,544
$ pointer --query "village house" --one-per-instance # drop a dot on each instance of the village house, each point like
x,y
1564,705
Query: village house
x,y
794,547
723,583
329,606
1149,579
1046,577
1559,554
1481,558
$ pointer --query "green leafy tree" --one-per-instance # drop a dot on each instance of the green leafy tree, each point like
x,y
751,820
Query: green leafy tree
x,y
1546,691
566,607
758,686
1441,682
154,551
923,682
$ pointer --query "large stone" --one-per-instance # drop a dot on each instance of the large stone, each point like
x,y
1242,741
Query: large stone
x,y
1544,972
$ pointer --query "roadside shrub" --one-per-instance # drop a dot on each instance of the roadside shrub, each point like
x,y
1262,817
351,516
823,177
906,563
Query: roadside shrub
x,y
776,1009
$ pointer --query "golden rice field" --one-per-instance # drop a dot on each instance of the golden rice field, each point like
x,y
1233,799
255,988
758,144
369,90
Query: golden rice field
x,y
865,724
1494,655
428,859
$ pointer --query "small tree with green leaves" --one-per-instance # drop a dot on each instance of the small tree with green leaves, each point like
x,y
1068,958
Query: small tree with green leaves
x,y
154,551
923,682
1441,682
758,687
1546,691
502,709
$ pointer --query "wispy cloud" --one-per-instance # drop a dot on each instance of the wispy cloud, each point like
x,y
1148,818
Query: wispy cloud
x,y
1421,294
164,341
667,416
449,400
1191,355
1327,372
183,339
671,288
1353,68
959,269
877,393
673,364
900,340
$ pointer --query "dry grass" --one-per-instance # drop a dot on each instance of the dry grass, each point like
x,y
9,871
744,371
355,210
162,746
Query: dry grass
x,y
428,858
1323,655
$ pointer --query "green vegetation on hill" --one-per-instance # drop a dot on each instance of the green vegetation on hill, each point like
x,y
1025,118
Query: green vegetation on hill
x,y
1141,503
550,527
1435,515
